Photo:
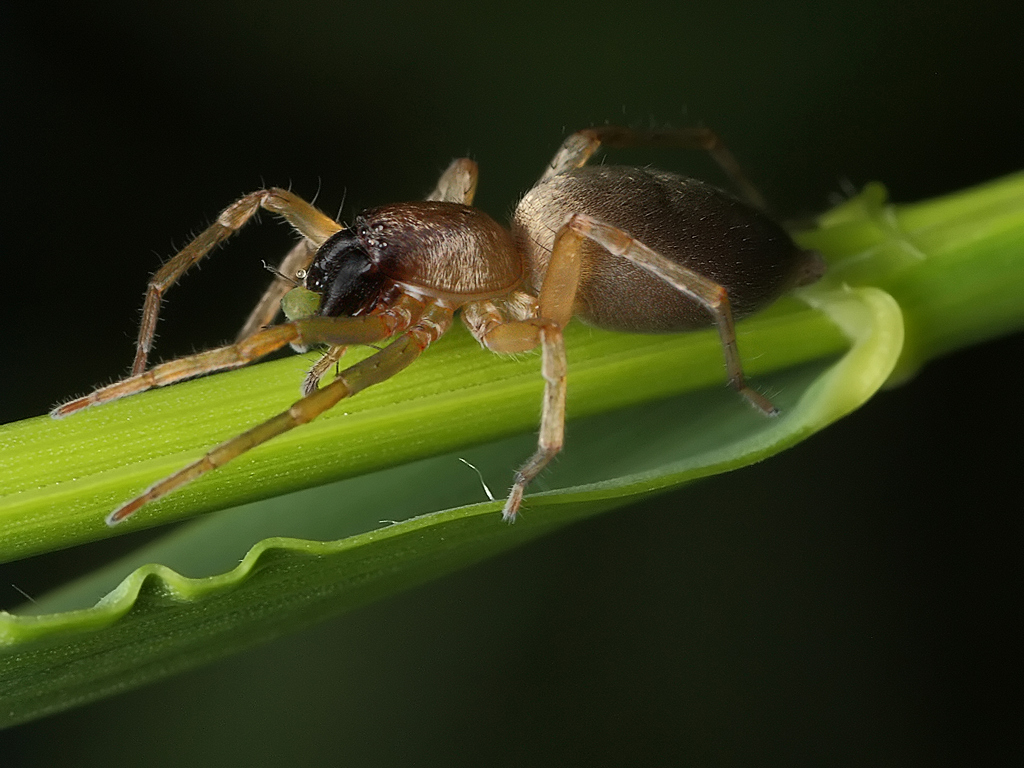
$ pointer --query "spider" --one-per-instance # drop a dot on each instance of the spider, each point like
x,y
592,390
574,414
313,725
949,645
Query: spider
x,y
623,248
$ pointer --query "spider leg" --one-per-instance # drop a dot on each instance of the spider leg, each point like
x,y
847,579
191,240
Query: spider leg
x,y
457,184
321,367
577,149
552,420
708,293
311,223
366,329
383,365
554,310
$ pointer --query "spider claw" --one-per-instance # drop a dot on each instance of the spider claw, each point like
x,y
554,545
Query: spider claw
x,y
125,511
511,509
66,409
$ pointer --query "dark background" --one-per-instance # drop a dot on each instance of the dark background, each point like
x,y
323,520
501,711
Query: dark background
x,y
850,602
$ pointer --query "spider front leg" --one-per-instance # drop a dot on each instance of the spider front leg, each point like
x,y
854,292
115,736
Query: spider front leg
x,y
433,321
366,329
307,220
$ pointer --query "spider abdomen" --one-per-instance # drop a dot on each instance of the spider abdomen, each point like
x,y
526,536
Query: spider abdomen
x,y
685,220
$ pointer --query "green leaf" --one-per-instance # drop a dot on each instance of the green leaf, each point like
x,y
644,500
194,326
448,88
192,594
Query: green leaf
x,y
648,413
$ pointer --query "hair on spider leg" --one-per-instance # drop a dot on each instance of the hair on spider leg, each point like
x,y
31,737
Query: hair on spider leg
x,y
69,406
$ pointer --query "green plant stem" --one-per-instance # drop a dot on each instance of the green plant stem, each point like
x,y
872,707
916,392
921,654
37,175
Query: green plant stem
x,y
955,264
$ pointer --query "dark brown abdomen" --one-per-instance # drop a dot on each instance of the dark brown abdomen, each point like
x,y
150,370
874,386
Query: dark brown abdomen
x,y
684,220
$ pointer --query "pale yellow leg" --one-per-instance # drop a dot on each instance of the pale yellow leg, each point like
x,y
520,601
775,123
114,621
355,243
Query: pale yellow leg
x,y
321,367
554,310
708,293
457,184
552,418
310,223
368,329
373,370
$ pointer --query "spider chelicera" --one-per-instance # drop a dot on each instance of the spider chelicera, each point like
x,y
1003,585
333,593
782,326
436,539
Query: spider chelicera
x,y
623,248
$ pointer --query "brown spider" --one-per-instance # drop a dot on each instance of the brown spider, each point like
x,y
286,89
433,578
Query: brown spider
x,y
630,249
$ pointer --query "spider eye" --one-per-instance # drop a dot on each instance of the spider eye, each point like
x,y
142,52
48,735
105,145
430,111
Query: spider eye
x,y
348,281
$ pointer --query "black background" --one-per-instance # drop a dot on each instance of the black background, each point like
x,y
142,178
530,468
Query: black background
x,y
850,602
